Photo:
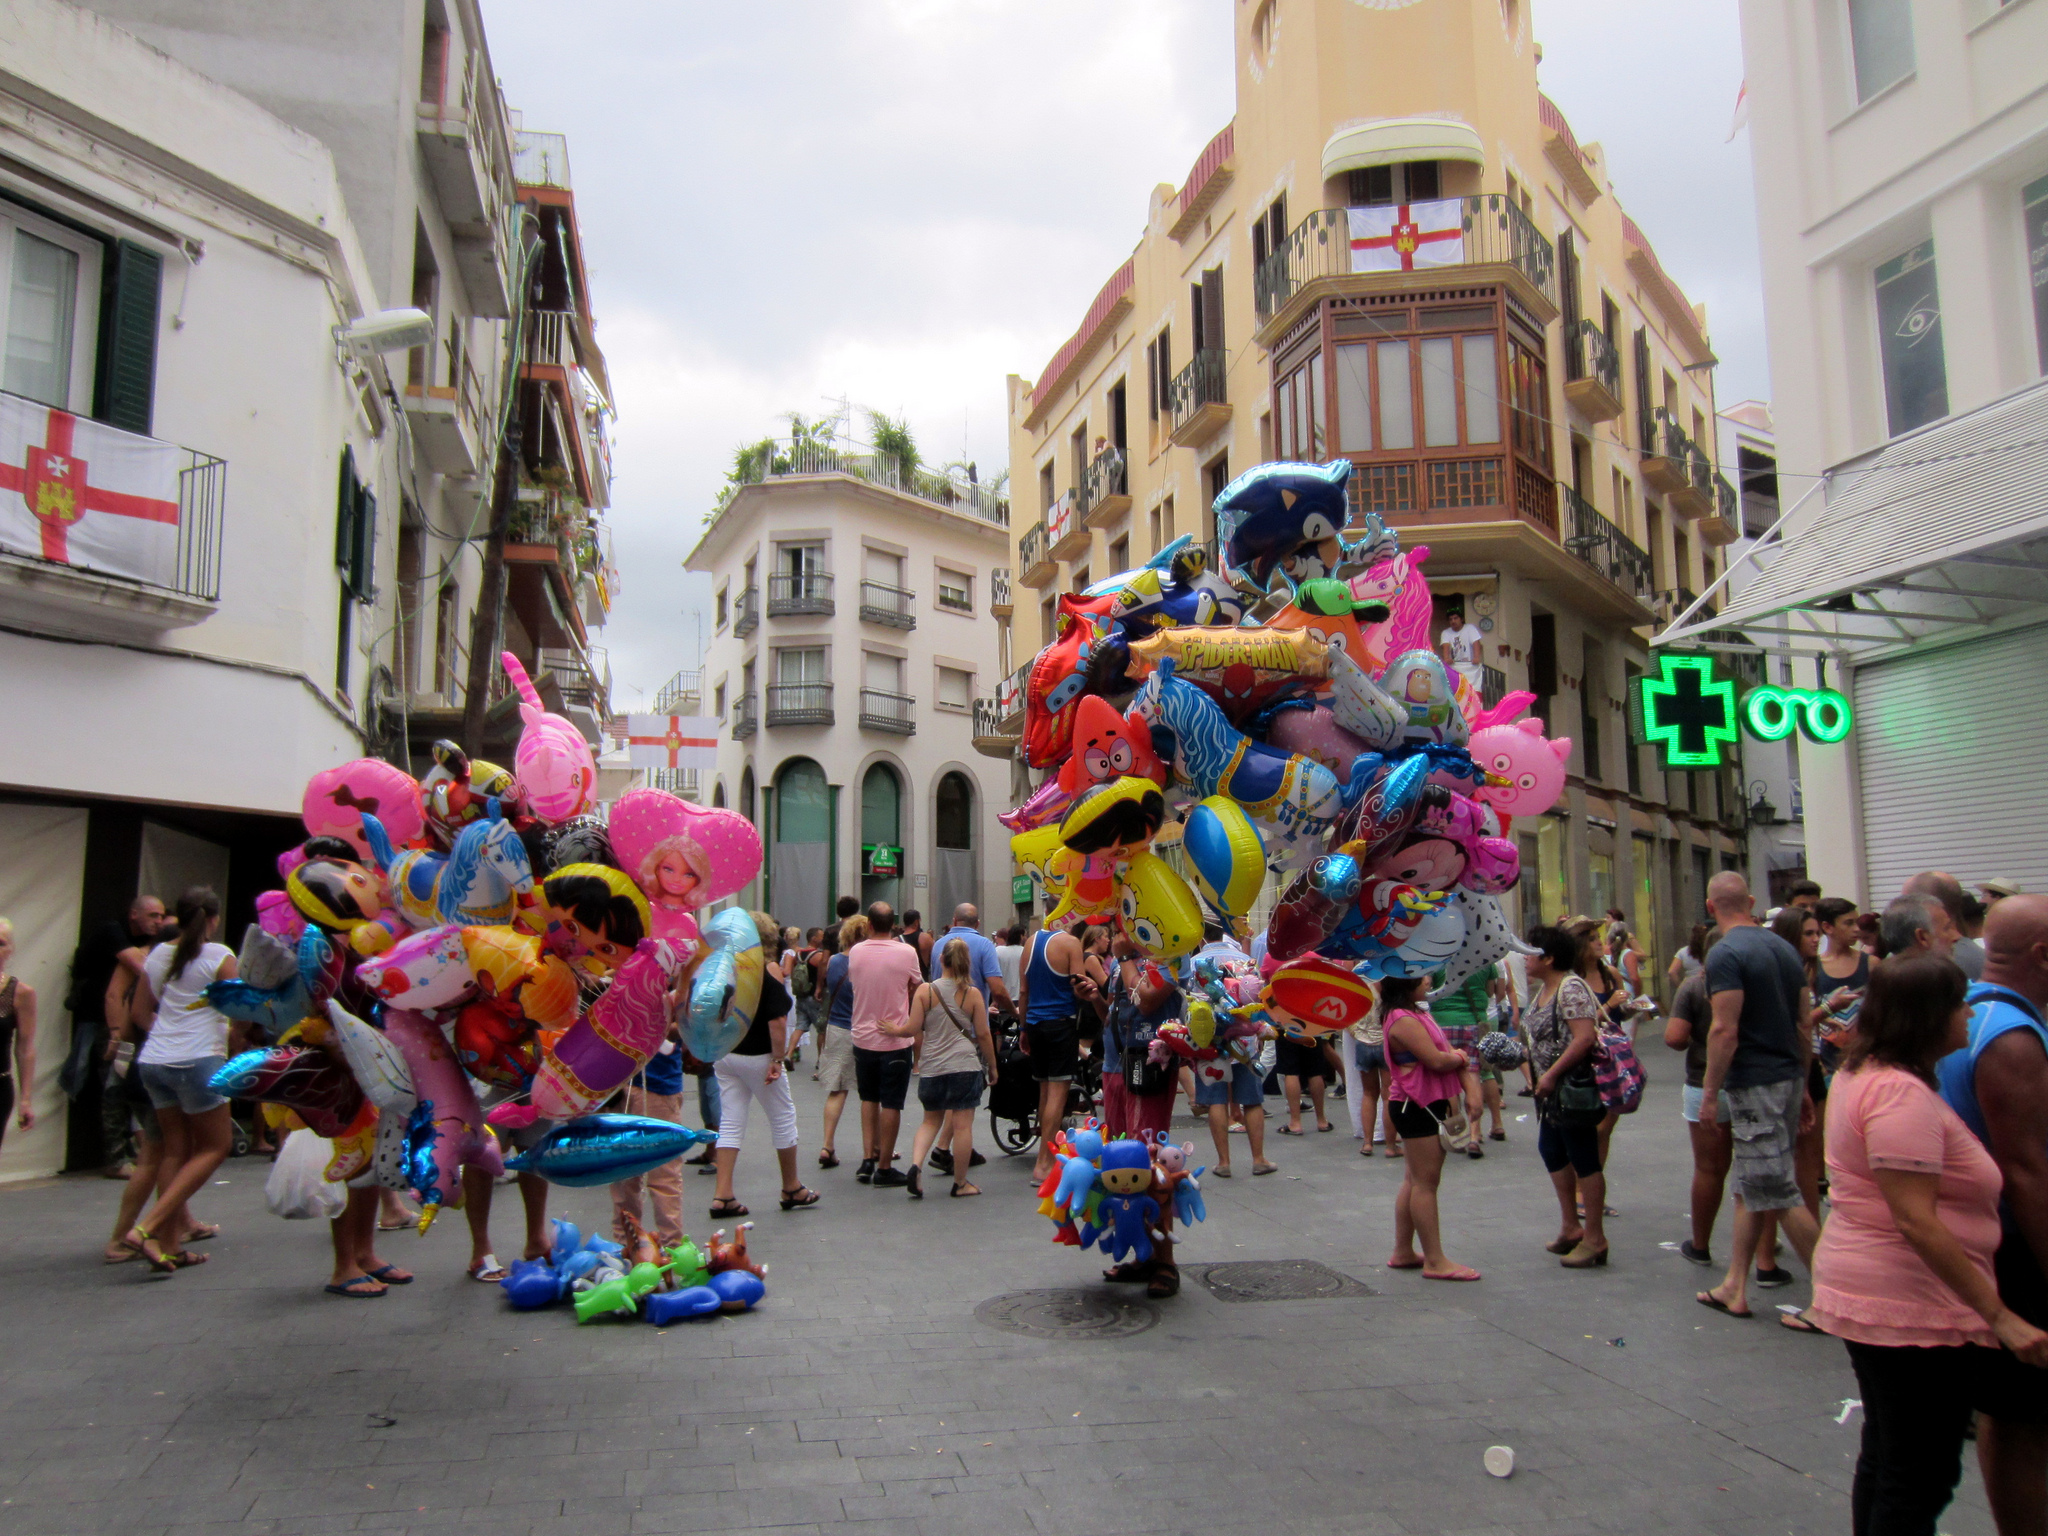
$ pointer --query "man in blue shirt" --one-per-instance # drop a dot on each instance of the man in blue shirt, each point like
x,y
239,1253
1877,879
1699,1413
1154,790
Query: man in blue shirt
x,y
1999,1085
981,956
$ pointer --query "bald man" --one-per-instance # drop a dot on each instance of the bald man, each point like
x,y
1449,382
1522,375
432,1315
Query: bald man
x,y
1999,1085
1758,1050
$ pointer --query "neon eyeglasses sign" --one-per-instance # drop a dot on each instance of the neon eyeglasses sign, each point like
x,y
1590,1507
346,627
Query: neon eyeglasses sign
x,y
1694,718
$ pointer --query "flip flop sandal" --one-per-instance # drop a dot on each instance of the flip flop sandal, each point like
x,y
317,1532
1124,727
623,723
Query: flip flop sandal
x,y
1709,1299
487,1270
159,1263
1461,1273
1261,1169
362,1288
1165,1282
183,1260
398,1226
205,1231
1412,1264
1220,1173
391,1274
1286,1130
1797,1323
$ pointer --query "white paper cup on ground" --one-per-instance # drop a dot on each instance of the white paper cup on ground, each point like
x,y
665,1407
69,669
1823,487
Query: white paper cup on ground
x,y
1500,1460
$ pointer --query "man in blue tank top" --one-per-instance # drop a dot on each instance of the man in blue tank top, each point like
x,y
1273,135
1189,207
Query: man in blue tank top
x,y
1054,988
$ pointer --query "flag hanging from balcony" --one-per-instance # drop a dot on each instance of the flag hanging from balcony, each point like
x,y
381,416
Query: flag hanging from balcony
x,y
87,494
672,741
1403,236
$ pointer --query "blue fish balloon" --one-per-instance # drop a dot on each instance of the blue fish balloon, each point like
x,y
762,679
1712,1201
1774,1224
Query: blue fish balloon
x,y
599,1149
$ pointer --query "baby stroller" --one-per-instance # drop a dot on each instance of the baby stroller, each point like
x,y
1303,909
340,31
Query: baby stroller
x,y
1013,1102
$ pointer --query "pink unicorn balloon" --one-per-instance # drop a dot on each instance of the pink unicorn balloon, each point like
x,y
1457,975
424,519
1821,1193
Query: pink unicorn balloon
x,y
553,765
682,855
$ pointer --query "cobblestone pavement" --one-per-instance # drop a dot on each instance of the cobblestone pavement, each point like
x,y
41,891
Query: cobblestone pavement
x,y
865,1396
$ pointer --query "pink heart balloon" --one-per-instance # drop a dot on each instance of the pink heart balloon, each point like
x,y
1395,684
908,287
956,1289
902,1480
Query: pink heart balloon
x,y
682,855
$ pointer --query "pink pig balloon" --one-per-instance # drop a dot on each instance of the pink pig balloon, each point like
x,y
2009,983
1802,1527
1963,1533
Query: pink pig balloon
x,y
553,765
1532,765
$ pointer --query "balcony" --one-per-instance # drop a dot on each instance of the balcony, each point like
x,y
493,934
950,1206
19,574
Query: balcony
x,y
1036,567
1068,536
745,717
746,616
895,607
1105,490
1592,373
999,606
465,144
1598,542
1195,404
1678,470
448,420
544,573
682,694
1010,699
1497,242
1561,149
796,592
800,704
1493,686
990,739
1671,602
49,583
895,713
577,686
1723,525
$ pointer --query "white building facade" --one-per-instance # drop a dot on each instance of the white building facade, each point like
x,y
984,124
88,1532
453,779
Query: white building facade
x,y
851,636
1901,151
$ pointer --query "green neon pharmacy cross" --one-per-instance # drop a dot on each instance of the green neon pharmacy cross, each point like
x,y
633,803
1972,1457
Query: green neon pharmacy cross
x,y
1691,716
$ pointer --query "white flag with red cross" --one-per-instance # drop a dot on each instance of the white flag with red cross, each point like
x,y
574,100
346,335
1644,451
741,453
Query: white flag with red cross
x,y
672,741
1400,237
87,494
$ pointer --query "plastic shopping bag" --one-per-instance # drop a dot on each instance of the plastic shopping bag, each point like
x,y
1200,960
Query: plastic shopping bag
x,y
298,1190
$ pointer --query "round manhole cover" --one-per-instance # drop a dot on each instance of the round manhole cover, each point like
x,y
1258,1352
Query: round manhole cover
x,y
1279,1280
1067,1314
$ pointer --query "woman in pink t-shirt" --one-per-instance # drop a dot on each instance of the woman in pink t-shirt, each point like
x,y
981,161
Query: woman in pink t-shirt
x,y
1424,1074
1903,1272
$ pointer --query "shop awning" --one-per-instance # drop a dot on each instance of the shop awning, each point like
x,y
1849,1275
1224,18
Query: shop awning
x,y
1937,534
1397,140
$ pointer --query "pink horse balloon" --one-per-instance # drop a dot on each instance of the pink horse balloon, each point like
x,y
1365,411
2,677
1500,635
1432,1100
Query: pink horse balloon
x,y
553,765
447,1129
682,855
615,1039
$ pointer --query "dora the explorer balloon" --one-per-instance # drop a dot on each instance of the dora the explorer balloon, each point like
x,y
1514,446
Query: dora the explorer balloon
x,y
682,856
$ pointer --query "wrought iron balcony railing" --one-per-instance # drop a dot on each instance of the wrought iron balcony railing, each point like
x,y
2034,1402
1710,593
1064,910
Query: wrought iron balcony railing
x,y
746,717
799,592
884,711
1588,354
883,604
747,616
800,704
1198,385
1598,542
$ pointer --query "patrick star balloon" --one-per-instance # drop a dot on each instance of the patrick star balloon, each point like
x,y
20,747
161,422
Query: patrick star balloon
x,y
682,855
554,767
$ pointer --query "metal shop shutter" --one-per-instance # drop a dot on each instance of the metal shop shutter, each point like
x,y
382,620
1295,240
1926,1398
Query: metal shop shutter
x,y
1949,749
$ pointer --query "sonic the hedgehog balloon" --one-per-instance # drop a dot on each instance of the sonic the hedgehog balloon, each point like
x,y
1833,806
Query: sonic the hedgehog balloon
x,y
1288,519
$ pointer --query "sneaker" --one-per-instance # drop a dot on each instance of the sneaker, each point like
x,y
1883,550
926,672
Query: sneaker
x,y
890,1178
867,1171
1771,1279
1693,1255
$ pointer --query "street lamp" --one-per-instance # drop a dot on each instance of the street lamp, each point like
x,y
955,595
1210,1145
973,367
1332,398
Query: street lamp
x,y
1761,811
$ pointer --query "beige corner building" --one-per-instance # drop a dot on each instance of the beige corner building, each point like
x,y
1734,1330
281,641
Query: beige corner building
x,y
1398,252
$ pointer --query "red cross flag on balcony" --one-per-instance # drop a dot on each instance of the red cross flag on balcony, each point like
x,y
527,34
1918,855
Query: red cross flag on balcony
x,y
672,741
1403,236
86,494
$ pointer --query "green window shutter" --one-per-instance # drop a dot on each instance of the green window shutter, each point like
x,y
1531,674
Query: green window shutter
x,y
124,383
1646,410
355,531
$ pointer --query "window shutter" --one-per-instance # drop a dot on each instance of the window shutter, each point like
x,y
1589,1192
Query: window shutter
x,y
124,383
1568,281
1152,379
1212,309
355,531
1646,415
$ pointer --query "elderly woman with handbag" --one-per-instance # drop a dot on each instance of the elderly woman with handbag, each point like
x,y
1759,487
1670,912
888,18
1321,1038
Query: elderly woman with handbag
x,y
1562,1020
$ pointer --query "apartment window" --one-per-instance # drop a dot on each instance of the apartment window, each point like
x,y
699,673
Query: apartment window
x,y
1681,559
1529,398
1120,554
1610,317
49,287
1646,407
1269,231
1080,579
1159,364
956,688
802,669
1631,674
1909,340
718,701
1450,384
1592,704
1048,616
1152,380
1162,525
1045,490
1206,300
956,590
1418,181
446,603
2034,207
1300,414
1880,43
1077,448
883,673
719,610
1118,426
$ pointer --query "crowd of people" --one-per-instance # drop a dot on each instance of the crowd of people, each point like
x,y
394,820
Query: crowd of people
x,y
1873,1085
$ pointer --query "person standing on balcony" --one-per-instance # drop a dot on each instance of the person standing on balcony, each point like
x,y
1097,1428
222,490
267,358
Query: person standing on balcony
x,y
1461,649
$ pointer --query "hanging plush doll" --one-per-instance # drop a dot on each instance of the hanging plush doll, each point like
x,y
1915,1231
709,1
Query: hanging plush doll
x,y
1126,1175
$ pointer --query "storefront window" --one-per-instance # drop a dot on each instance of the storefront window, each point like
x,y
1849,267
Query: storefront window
x,y
1909,340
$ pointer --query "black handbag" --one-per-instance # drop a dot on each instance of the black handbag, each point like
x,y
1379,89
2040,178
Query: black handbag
x,y
1144,1078
1577,1101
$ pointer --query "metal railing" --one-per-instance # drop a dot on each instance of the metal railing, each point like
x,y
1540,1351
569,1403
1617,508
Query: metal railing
x,y
1727,502
746,717
1495,232
1674,444
799,592
1597,541
480,117
1493,685
1010,691
686,688
784,458
747,615
202,502
551,339
988,718
583,685
1197,385
1061,518
1672,601
1588,354
881,710
999,586
884,604
799,703
1107,476
1032,548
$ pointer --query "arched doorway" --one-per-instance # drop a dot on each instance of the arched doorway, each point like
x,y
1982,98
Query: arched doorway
x,y
800,871
718,795
953,872
881,836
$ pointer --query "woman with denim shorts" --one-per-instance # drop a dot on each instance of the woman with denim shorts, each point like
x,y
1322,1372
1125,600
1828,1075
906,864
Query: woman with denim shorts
x,y
187,1044
956,1060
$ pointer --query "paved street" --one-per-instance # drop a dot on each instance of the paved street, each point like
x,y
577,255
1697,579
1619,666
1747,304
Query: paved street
x,y
866,1395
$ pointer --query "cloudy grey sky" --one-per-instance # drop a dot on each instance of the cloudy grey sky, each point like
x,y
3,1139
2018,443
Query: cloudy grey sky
x,y
901,201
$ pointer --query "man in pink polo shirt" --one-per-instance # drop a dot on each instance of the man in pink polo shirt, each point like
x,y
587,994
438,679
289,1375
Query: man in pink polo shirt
x,y
884,973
